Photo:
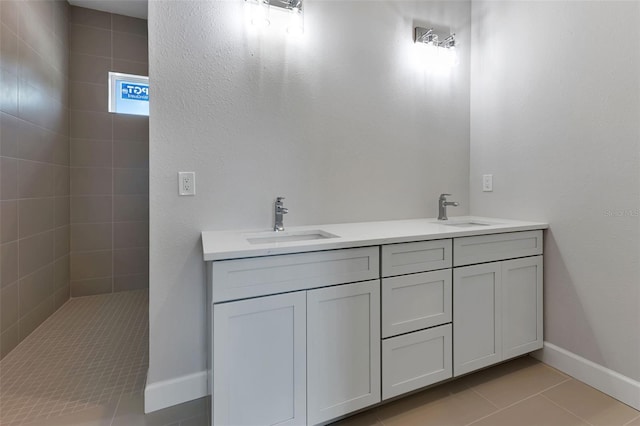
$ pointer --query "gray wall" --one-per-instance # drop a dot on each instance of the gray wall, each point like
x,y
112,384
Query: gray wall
x,y
34,166
109,157
347,123
555,116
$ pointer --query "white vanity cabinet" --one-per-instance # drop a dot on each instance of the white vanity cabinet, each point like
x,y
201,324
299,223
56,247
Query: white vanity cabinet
x,y
298,357
497,305
343,350
307,337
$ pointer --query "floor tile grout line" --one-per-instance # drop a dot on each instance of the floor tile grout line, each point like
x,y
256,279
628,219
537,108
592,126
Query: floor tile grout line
x,y
518,402
484,397
566,409
632,420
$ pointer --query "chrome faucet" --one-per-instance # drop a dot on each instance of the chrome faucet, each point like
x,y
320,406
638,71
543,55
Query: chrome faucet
x,y
279,210
442,206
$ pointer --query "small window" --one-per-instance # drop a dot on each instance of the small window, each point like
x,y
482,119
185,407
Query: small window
x,y
128,94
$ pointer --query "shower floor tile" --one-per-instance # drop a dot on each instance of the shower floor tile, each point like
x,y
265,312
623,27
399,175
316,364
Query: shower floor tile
x,y
82,359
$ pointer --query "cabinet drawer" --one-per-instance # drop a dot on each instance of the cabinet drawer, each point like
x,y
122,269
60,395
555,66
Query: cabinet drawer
x,y
416,360
417,301
422,256
258,276
487,248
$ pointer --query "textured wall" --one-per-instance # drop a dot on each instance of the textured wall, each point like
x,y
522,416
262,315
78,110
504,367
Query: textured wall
x,y
347,123
109,157
555,116
34,166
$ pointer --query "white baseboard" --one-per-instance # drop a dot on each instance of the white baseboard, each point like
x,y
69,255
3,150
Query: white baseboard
x,y
166,393
605,380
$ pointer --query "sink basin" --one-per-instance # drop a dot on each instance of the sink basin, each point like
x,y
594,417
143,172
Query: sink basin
x,y
288,236
465,223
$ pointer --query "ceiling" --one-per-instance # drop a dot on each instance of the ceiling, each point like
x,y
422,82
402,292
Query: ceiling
x,y
135,8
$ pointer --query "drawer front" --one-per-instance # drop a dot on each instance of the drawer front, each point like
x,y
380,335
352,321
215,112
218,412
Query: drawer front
x,y
408,258
415,360
487,248
258,276
414,302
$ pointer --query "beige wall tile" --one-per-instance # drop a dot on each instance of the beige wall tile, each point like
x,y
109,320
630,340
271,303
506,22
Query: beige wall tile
x,y
89,40
130,47
91,209
60,21
130,67
9,271
130,154
91,287
131,234
90,265
33,319
8,48
61,211
9,306
90,125
9,131
34,142
131,128
129,208
61,242
35,179
35,288
61,273
91,153
8,92
62,182
9,14
8,178
130,181
91,236
61,296
89,96
89,69
131,261
91,181
35,252
9,339
89,17
35,215
61,149
127,24
8,221
130,282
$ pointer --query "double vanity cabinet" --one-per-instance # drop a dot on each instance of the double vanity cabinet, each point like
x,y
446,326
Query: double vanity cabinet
x,y
306,337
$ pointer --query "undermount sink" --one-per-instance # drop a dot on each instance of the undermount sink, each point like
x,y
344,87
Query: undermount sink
x,y
465,223
288,236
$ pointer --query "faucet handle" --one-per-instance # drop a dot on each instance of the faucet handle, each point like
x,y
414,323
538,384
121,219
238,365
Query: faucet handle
x,y
445,195
279,199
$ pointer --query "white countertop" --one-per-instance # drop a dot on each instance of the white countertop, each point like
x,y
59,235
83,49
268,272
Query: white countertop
x,y
222,245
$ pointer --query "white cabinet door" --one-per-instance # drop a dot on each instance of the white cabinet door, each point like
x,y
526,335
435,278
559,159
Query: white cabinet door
x,y
259,361
415,360
477,317
521,306
343,349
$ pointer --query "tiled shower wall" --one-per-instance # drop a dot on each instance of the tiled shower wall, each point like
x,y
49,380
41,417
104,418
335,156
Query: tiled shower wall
x,y
109,157
34,165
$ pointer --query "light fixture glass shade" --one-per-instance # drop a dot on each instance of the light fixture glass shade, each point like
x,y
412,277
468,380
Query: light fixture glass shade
x,y
260,13
295,27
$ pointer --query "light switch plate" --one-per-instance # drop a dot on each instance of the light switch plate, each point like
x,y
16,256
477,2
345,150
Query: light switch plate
x,y
487,183
187,183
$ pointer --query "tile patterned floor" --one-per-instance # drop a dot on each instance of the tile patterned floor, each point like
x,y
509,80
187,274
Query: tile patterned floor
x,y
87,363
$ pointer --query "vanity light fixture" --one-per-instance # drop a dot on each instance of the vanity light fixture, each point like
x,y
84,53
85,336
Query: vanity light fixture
x,y
428,36
442,47
290,12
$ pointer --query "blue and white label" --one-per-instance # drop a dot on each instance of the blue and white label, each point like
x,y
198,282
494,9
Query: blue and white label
x,y
138,92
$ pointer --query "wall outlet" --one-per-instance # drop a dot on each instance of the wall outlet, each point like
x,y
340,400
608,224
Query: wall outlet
x,y
187,183
487,183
